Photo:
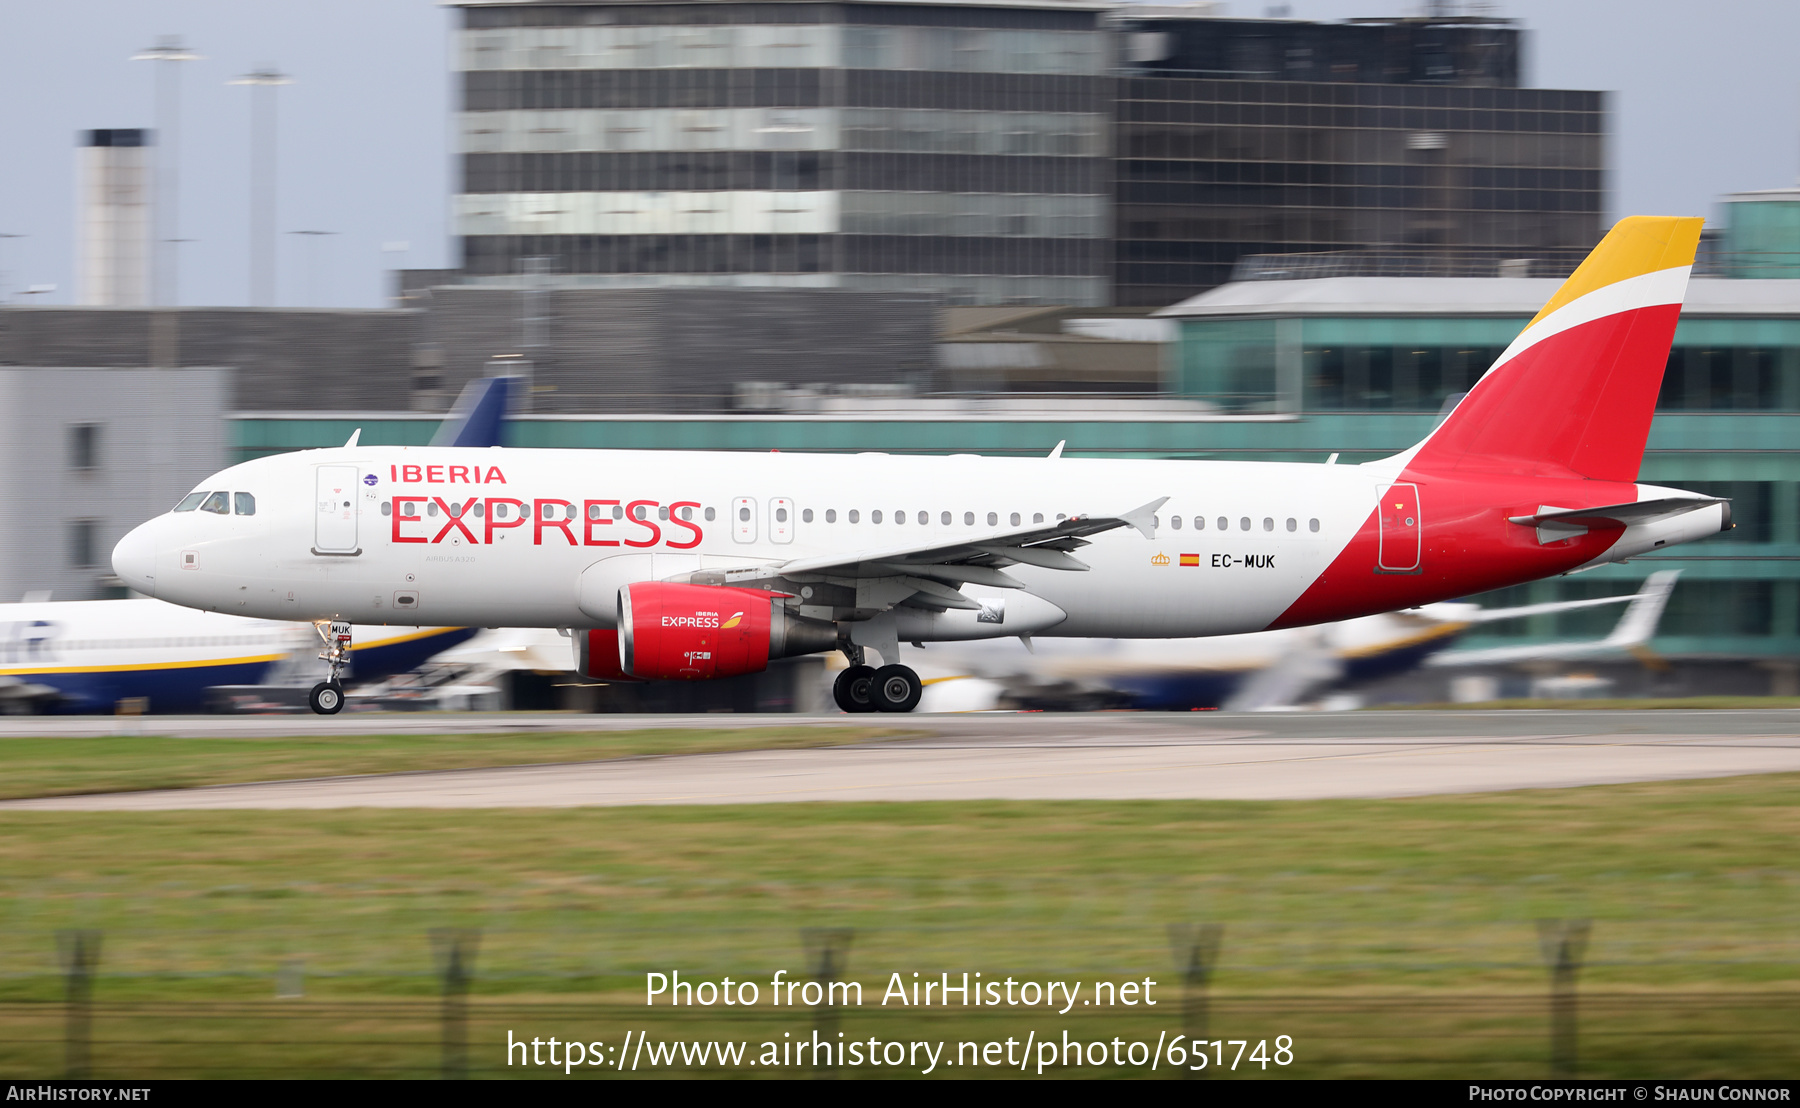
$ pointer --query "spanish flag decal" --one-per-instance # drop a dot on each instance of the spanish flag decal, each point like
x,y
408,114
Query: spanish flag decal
x,y
736,618
1190,559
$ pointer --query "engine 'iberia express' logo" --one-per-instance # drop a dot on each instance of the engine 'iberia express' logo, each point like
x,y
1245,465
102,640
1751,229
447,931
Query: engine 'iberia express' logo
x,y
736,618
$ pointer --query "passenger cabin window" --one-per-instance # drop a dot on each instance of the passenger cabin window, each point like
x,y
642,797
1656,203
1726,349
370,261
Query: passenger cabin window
x,y
190,502
218,503
806,515
1244,524
1292,523
1199,523
831,515
854,515
1015,519
1224,524
1268,523
1037,517
875,516
246,504
1312,525
993,519
710,514
1175,522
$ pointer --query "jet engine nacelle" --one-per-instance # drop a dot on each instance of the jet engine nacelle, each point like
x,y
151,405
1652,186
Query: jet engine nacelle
x,y
672,632
597,655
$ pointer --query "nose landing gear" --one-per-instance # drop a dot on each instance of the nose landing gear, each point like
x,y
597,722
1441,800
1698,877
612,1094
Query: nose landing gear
x,y
327,697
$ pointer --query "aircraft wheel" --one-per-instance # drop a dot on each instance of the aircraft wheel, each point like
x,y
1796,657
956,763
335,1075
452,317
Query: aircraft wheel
x,y
326,698
896,689
852,690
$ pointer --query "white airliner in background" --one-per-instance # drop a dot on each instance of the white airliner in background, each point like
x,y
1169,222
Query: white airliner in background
x,y
688,565
87,656
84,656
1265,669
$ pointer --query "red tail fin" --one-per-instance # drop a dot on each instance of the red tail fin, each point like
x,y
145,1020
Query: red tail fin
x,y
1576,390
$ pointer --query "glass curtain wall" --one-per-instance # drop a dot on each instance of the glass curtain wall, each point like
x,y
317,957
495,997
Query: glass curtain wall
x,y
1209,171
1415,364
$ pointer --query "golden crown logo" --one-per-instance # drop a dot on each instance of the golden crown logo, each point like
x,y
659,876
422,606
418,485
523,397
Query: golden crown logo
x,y
1160,560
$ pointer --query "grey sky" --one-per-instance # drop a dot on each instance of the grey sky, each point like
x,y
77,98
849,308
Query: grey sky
x,y
1706,101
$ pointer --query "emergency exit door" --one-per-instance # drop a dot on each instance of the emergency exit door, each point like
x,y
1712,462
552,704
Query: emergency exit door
x,y
334,510
1401,526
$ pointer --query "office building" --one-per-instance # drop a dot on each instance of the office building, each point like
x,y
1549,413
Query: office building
x,y
1406,141
961,150
1042,152
88,455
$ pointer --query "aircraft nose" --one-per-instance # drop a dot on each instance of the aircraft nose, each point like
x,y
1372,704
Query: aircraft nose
x,y
134,559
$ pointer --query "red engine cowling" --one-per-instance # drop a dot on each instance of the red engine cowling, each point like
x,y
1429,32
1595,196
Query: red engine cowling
x,y
597,656
672,632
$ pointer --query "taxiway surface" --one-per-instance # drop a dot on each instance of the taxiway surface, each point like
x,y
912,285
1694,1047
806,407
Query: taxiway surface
x,y
1031,757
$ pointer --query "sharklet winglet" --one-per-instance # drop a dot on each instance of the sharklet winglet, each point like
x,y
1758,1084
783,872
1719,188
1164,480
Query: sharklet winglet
x,y
1143,519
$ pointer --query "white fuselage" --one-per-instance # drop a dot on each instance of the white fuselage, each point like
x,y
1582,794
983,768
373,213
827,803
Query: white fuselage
x,y
305,556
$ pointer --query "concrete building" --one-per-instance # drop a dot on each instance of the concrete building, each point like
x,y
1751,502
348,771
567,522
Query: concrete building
x,y
1010,152
113,217
589,350
959,149
88,455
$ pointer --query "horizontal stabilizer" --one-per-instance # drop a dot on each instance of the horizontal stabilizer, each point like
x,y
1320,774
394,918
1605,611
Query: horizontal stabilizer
x,y
1638,511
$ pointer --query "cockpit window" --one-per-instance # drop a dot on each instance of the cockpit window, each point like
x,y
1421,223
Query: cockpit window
x,y
219,503
246,504
190,501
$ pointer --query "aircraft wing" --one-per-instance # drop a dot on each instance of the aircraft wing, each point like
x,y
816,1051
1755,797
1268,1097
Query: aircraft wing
x,y
936,572
1634,629
1490,615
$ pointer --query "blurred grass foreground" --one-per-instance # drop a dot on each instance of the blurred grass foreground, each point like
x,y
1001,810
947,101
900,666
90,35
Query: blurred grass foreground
x,y
1386,938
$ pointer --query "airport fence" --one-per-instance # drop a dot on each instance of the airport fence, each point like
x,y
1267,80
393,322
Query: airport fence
x,y
1508,999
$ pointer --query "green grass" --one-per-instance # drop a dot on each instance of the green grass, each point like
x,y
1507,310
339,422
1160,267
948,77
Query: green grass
x,y
66,766
1388,937
1700,703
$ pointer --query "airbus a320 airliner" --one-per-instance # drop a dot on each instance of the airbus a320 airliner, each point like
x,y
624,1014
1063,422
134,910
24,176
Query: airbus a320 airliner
x,y
690,565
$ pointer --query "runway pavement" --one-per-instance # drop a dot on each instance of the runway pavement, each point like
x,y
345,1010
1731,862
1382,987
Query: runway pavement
x,y
1046,757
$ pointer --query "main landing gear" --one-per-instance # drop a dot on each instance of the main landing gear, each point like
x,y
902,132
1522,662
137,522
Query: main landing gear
x,y
327,697
863,688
